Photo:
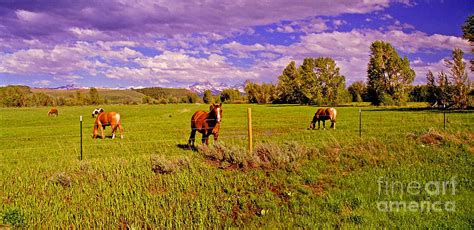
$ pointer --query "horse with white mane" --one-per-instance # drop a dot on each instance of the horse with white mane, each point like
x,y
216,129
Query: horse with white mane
x,y
111,119
323,115
97,111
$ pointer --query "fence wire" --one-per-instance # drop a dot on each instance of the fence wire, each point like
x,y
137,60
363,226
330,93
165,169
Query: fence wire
x,y
264,128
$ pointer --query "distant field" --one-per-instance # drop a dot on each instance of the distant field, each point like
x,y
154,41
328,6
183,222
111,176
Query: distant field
x,y
335,184
113,96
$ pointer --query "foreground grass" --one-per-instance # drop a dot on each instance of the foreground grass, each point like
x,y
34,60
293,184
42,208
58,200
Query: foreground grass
x,y
148,180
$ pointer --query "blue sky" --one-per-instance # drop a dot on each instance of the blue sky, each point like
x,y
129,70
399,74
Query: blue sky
x,y
177,43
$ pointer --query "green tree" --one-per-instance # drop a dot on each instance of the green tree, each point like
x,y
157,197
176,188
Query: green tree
x,y
289,85
41,99
79,98
432,88
333,84
419,93
358,91
311,84
459,79
261,93
207,98
147,100
229,95
15,96
94,97
468,34
192,98
444,89
389,76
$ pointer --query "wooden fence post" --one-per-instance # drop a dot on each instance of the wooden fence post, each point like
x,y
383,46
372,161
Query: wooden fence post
x,y
249,113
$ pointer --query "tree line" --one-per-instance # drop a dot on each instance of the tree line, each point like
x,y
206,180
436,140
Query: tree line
x,y
389,82
22,96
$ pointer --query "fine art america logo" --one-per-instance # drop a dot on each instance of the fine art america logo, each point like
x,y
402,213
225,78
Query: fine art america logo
x,y
433,189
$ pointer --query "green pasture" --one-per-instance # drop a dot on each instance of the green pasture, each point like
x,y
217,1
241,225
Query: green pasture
x,y
336,186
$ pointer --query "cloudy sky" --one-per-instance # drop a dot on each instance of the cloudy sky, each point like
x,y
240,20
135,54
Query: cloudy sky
x,y
175,43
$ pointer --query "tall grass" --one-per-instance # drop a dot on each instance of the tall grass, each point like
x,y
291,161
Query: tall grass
x,y
294,178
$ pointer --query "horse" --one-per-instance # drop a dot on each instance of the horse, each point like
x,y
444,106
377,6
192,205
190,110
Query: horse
x,y
207,123
323,115
111,119
97,111
53,112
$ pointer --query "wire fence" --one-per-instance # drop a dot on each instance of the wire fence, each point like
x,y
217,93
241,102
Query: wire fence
x,y
13,147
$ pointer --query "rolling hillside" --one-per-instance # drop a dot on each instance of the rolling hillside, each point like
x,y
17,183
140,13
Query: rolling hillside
x,y
114,96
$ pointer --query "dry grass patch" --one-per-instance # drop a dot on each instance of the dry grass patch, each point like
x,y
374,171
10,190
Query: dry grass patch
x,y
265,155
62,179
162,165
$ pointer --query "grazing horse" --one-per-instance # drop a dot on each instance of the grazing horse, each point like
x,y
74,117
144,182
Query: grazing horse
x,y
111,119
97,111
207,123
53,112
323,115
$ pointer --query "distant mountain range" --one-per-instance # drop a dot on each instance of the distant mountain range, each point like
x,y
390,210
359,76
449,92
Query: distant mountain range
x,y
67,87
215,88
197,87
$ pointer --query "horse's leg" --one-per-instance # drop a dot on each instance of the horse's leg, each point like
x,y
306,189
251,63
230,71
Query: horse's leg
x,y
114,128
102,131
191,137
121,130
205,138
319,124
216,135
324,124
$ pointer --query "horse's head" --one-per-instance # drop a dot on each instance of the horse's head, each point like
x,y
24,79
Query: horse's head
x,y
313,122
216,111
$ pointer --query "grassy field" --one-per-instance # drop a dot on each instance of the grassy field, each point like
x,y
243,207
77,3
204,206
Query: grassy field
x,y
316,178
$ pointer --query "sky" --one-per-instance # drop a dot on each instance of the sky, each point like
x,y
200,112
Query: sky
x,y
175,43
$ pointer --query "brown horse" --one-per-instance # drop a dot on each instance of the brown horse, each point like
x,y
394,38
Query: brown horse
x,y
207,123
111,119
323,115
53,112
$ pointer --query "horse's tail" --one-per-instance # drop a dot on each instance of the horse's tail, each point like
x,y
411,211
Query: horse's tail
x,y
117,118
333,114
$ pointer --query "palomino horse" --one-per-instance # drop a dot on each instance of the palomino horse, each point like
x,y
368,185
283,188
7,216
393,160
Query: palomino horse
x,y
207,123
53,112
323,115
111,119
97,111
